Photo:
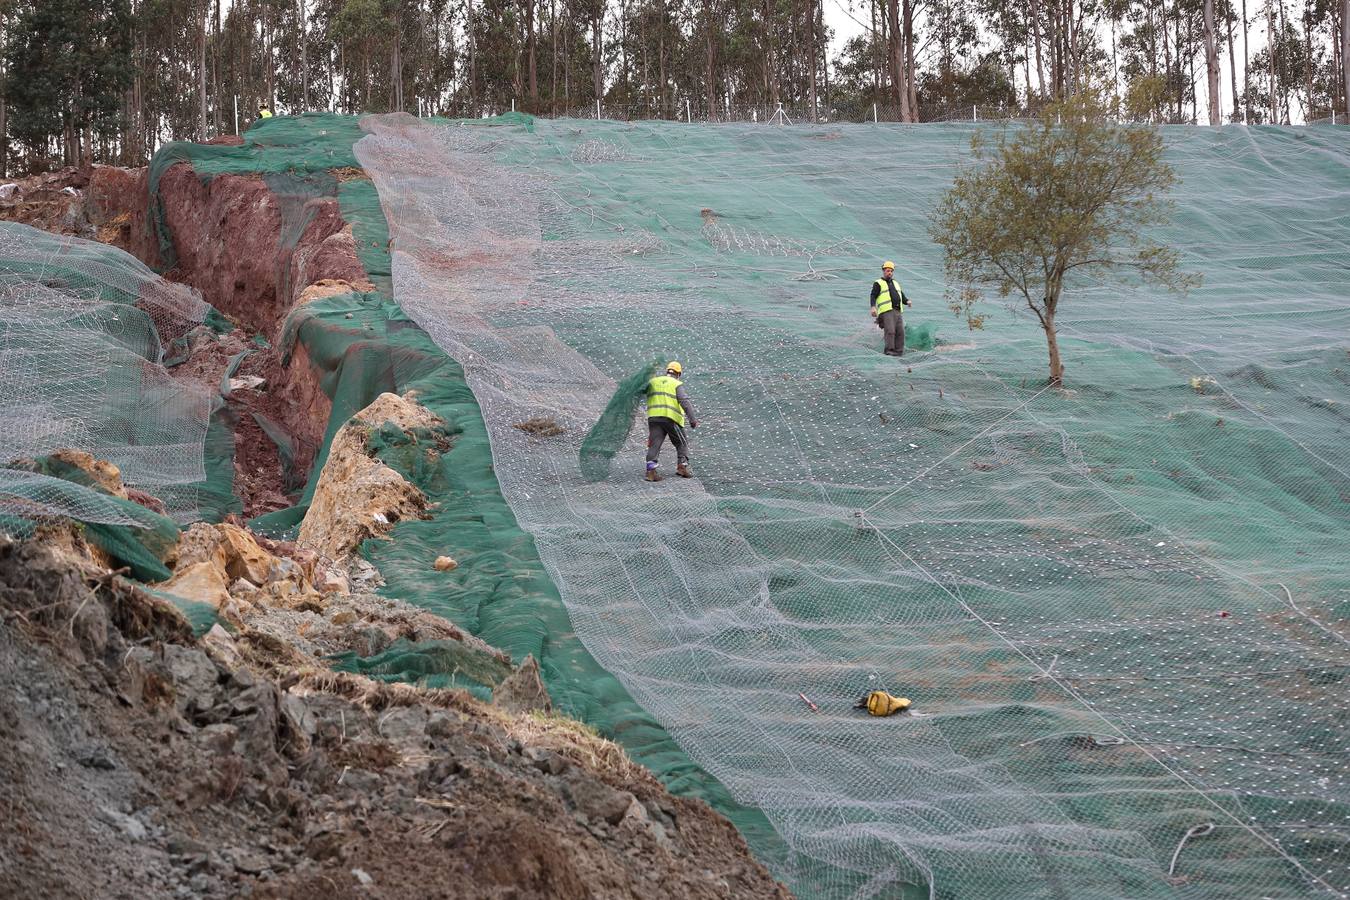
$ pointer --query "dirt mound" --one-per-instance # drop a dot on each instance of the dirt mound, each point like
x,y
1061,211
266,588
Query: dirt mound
x,y
52,201
186,771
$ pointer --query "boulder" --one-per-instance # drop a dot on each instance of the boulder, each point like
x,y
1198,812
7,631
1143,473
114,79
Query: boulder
x,y
358,497
243,557
202,582
101,472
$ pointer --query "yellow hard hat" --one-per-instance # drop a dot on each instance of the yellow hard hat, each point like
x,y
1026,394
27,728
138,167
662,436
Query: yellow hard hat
x,y
675,367
888,265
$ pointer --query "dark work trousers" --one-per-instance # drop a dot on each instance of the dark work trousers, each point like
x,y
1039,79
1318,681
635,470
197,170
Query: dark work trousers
x,y
660,428
893,326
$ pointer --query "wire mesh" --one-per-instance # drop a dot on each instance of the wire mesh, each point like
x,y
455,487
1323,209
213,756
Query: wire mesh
x,y
1121,609
81,352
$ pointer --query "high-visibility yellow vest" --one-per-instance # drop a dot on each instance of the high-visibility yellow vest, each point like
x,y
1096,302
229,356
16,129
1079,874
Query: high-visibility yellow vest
x,y
884,297
264,114
661,399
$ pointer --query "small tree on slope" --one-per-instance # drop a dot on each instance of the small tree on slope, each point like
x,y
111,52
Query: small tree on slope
x,y
1063,200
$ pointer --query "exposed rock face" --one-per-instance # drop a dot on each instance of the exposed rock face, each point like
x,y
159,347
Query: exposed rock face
x,y
357,496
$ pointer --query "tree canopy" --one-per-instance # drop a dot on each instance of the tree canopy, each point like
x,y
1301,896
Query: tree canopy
x,y
1066,200
123,76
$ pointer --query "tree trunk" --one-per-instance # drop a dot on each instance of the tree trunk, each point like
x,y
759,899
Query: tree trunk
x,y
811,49
646,75
710,84
1052,344
1036,32
896,54
1270,56
661,55
303,40
1232,63
911,82
531,46
201,77
553,26
1246,69
597,70
1212,64
468,34
1054,37
396,69
1181,81
1345,56
217,113
876,69
770,66
1308,66
623,51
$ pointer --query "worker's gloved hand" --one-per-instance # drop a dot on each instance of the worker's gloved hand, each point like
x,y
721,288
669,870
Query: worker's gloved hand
x,y
874,312
693,424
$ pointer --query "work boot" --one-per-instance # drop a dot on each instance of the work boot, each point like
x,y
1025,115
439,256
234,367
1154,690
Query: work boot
x,y
682,470
653,475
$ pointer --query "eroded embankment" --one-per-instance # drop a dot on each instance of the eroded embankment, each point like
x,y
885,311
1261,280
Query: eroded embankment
x,y
257,255
241,762
287,238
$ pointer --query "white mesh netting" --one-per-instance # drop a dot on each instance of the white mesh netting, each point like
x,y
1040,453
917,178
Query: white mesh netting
x,y
1121,609
81,368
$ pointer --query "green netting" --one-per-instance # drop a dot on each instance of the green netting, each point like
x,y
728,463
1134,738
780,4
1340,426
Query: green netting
x,y
296,153
499,592
433,664
921,335
608,434
1121,608
132,535
200,616
83,328
361,345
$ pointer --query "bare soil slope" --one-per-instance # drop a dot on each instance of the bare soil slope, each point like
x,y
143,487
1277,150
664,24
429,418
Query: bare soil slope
x,y
139,762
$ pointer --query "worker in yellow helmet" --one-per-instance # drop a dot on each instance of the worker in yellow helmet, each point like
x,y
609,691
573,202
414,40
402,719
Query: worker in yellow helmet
x,y
668,408
888,303
264,112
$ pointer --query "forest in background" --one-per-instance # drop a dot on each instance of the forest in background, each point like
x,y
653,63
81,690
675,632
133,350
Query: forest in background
x,y
85,81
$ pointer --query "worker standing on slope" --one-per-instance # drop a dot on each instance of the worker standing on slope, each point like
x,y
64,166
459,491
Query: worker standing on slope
x,y
888,302
264,113
668,407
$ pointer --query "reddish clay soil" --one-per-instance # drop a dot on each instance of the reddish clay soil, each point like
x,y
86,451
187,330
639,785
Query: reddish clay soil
x,y
227,241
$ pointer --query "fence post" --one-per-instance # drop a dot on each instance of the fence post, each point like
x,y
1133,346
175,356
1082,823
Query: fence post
x,y
597,108
236,114
513,104
975,113
874,114
688,119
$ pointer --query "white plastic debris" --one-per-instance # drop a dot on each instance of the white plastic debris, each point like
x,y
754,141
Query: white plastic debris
x,y
247,383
